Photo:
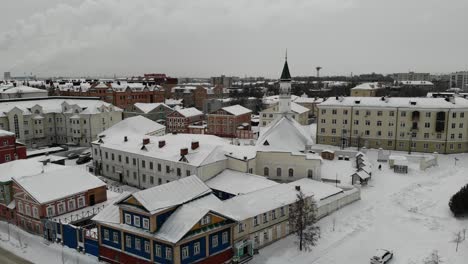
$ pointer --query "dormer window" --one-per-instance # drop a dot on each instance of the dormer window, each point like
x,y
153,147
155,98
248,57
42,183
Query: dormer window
x,y
128,219
206,220
136,221
145,223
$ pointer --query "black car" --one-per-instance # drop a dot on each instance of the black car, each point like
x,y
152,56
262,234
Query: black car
x,y
83,159
72,156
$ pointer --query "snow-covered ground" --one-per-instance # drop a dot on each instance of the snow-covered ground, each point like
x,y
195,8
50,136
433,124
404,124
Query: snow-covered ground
x,y
406,213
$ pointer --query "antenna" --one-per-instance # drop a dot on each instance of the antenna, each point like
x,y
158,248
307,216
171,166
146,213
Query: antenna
x,y
286,57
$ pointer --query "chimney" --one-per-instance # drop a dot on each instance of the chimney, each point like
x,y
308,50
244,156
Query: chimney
x,y
195,144
146,141
162,143
125,139
183,151
298,188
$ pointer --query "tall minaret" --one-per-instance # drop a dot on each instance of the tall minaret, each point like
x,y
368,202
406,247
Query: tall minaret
x,y
285,89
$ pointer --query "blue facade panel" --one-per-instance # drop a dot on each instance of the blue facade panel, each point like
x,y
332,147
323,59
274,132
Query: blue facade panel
x,y
161,256
192,257
69,237
133,219
222,195
161,218
91,247
137,245
216,241
110,241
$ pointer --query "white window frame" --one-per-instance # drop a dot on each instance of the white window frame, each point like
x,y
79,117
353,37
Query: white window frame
x,y
157,250
145,223
35,212
225,237
206,220
128,241
71,204
128,219
136,221
106,234
169,253
27,209
196,248
52,210
147,247
61,205
137,244
81,201
115,237
214,241
20,207
185,252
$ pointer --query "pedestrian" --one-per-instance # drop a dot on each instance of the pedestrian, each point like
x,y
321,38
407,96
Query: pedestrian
x,y
380,166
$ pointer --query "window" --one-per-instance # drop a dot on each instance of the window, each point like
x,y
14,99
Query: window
x,y
7,157
333,121
390,133
143,177
379,123
61,208
196,248
334,112
81,202
168,169
143,164
391,113
310,173
428,114
282,211
273,214
427,125
454,115
106,234
356,112
425,146
265,218
356,122
134,162
136,220
403,113
368,113
168,253
225,238
214,241
35,212
266,171
50,211
426,135
185,252
179,172
240,227
147,247
187,173
333,131
453,125
157,250
128,219
278,172
28,209
460,125
112,156
265,235
159,167
115,237
145,223
71,205
128,241
379,113
291,172
126,160
206,220
367,122
137,244
255,221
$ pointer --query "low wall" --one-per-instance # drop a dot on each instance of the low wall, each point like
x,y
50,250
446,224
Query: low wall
x,y
332,204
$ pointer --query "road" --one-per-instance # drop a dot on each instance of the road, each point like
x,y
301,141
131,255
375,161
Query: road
x,y
6,257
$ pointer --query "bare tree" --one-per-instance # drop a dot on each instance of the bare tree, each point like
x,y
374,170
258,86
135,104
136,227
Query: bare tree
x,y
434,258
302,220
457,239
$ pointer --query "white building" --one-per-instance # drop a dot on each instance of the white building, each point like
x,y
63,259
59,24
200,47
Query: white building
x,y
46,121
459,80
11,92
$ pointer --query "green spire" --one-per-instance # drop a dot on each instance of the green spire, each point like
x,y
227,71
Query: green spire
x,y
285,75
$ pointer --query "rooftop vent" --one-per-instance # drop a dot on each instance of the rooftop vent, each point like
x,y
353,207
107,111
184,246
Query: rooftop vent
x,y
125,139
298,188
195,144
412,103
183,151
162,143
146,141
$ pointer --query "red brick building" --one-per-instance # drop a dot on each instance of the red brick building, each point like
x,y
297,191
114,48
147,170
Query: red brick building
x,y
9,148
180,120
54,193
226,121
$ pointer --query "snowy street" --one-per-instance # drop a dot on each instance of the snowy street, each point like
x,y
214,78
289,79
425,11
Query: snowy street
x,y
406,213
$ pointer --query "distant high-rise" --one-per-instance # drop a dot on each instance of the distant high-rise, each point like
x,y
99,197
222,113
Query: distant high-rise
x,y
222,80
459,80
412,76
7,76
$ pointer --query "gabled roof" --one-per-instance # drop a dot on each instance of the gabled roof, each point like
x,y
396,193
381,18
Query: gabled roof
x,y
148,107
58,184
189,112
236,110
285,75
284,134
171,194
4,133
136,125
236,182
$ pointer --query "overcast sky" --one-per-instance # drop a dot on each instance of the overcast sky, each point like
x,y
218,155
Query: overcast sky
x,y
242,37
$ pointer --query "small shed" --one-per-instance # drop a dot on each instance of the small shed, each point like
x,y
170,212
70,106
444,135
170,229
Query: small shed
x,y
328,154
360,176
400,166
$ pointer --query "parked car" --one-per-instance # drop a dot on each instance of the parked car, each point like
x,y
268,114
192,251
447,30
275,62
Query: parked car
x,y
381,256
72,156
83,159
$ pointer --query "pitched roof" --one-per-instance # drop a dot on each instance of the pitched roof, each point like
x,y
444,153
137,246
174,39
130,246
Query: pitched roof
x,y
136,125
171,194
236,110
189,112
57,184
285,75
148,107
4,133
236,182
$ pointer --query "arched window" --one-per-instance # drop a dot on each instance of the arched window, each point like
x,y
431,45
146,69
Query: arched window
x,y
266,171
310,174
278,172
291,172
16,123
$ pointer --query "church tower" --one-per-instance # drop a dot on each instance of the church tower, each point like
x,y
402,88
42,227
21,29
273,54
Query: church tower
x,y
285,89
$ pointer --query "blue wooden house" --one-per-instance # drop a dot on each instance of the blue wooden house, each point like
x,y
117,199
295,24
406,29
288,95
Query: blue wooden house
x,y
177,222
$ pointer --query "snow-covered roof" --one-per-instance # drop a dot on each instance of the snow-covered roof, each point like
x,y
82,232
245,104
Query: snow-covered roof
x,y
174,193
148,107
394,102
186,216
299,109
24,167
415,83
254,203
173,101
57,184
283,134
236,110
4,133
24,90
235,182
368,86
190,112
136,125
362,174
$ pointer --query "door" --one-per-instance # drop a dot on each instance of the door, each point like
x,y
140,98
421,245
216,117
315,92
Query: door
x,y
278,231
120,177
92,200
